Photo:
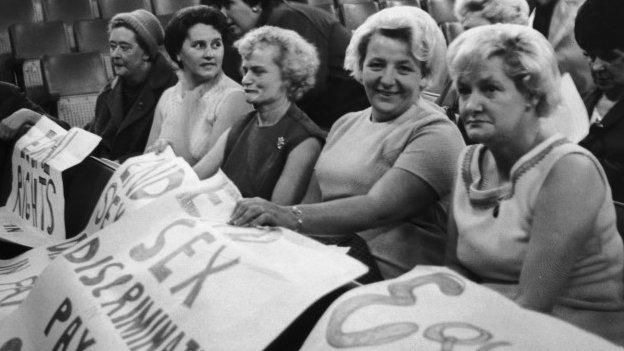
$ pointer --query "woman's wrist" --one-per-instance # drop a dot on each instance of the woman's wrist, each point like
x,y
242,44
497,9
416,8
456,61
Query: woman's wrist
x,y
297,218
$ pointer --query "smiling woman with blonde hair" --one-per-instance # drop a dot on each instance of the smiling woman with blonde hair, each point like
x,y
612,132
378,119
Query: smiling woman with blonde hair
x,y
532,214
384,171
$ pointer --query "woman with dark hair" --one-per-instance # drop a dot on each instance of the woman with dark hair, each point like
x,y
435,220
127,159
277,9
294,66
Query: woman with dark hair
x,y
191,115
335,92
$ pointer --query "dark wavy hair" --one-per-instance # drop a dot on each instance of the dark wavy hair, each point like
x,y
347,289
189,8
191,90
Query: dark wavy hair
x,y
176,30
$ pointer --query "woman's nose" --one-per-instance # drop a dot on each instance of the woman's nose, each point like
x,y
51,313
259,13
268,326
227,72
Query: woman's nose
x,y
387,77
472,103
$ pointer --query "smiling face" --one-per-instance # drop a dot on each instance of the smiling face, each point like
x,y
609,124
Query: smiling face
x,y
391,77
262,78
607,68
241,17
201,54
127,56
491,107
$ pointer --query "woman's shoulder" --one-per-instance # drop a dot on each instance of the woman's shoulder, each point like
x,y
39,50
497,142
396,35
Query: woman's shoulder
x,y
301,119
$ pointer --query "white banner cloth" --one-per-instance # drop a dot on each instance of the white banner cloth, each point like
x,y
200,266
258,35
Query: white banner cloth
x,y
433,308
37,197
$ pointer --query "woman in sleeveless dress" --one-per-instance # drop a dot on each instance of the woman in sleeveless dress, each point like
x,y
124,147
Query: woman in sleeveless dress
x,y
532,214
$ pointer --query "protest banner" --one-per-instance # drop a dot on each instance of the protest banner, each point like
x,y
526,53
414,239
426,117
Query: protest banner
x,y
19,274
137,182
37,196
433,308
169,277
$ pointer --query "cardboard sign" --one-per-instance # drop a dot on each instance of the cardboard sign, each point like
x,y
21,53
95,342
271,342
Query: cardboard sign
x,y
433,308
137,182
167,277
39,158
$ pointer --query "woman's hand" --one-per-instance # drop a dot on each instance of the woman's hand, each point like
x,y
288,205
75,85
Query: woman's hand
x,y
10,126
256,212
158,146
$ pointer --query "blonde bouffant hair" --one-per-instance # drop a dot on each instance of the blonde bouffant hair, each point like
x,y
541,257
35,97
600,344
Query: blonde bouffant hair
x,y
426,41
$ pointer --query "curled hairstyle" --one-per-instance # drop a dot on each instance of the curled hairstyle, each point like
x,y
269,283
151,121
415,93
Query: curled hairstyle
x,y
528,60
494,11
296,58
177,29
406,23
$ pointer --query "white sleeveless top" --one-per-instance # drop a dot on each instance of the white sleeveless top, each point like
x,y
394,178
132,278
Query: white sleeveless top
x,y
494,227
186,117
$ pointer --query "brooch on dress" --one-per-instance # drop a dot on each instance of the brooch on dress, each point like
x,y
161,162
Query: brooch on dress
x,y
281,143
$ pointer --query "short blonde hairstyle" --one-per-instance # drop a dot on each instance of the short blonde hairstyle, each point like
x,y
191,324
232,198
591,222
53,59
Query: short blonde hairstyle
x,y
427,44
528,60
494,11
297,59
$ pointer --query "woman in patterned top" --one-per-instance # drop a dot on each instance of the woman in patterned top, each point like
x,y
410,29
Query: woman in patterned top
x,y
532,214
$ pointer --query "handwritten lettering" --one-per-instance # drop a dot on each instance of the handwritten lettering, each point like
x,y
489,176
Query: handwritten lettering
x,y
17,291
62,315
400,294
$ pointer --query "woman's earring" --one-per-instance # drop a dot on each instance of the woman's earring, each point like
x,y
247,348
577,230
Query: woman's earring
x,y
255,9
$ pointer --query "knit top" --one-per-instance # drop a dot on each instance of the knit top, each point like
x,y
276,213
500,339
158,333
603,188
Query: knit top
x,y
186,117
494,226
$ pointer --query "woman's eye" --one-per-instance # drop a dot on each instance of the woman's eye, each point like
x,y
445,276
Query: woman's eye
x,y
198,45
216,44
405,69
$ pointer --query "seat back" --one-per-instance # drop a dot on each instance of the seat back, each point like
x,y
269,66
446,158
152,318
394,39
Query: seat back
x,y
75,79
29,42
109,8
355,12
441,10
14,11
33,40
166,7
91,35
326,5
393,3
67,10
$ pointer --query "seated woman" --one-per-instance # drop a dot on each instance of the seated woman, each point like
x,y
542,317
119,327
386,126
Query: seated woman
x,y
520,221
271,153
192,114
384,170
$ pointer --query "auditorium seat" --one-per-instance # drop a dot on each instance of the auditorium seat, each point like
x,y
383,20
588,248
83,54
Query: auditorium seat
x,y
12,11
74,80
109,8
67,10
393,3
29,42
92,35
166,7
441,10
327,5
355,12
